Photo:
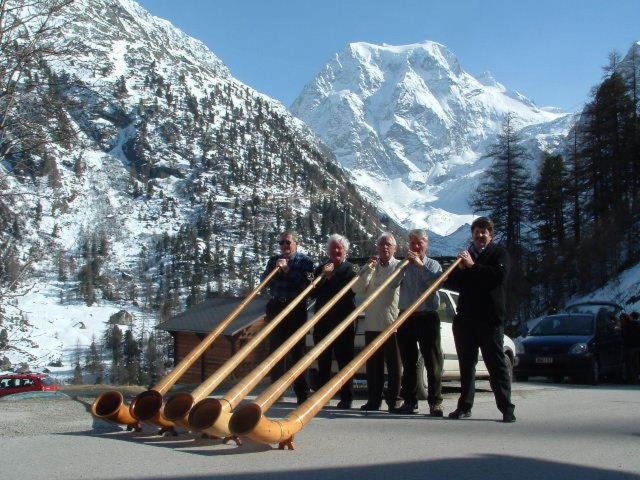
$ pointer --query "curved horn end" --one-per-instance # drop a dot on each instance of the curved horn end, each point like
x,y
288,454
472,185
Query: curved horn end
x,y
146,405
205,413
177,407
245,419
110,406
107,404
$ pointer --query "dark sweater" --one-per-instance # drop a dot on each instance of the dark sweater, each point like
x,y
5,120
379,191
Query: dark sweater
x,y
483,287
327,289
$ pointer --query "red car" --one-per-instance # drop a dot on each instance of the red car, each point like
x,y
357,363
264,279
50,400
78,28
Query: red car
x,y
25,382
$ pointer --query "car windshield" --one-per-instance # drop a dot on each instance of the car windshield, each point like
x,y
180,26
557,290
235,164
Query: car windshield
x,y
564,325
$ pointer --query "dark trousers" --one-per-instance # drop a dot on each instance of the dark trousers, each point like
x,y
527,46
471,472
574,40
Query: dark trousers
x,y
469,337
342,348
388,353
423,329
632,363
280,334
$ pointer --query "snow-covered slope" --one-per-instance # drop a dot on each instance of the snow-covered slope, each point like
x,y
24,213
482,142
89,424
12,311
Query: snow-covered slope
x,y
411,125
174,183
624,289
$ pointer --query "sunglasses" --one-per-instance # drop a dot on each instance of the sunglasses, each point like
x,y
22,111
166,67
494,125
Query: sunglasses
x,y
284,242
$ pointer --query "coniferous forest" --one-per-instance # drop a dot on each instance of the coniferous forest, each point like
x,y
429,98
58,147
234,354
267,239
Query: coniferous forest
x,y
574,224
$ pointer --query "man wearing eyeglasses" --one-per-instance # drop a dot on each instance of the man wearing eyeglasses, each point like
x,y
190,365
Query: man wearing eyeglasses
x,y
296,269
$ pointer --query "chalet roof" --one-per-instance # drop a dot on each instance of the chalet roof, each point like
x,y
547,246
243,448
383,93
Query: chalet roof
x,y
206,315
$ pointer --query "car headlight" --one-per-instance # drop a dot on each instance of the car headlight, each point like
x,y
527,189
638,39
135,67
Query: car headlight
x,y
519,347
579,349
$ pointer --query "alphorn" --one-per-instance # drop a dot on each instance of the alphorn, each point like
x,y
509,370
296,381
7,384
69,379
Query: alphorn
x,y
146,406
250,420
212,415
176,409
250,416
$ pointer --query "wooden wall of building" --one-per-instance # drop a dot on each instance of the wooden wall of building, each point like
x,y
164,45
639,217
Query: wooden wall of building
x,y
218,353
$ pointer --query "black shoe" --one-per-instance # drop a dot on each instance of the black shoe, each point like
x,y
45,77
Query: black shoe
x,y
393,406
344,405
459,414
370,407
435,411
406,408
508,417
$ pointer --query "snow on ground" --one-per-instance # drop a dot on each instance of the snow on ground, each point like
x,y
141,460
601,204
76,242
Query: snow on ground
x,y
57,328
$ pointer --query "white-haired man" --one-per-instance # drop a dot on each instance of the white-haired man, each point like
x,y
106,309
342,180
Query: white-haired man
x,y
381,313
422,326
337,273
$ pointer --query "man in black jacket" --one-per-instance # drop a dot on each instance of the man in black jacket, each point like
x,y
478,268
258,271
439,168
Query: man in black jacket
x,y
293,277
479,323
337,273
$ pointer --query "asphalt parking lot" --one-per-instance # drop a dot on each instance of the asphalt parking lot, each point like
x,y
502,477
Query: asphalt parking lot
x,y
562,432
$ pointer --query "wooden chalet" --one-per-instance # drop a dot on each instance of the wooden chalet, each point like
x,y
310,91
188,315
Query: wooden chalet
x,y
190,327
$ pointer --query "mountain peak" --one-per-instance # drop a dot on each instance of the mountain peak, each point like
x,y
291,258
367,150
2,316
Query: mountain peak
x,y
412,53
410,125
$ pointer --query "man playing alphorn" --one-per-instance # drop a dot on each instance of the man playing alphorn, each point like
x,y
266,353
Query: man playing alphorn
x,y
295,272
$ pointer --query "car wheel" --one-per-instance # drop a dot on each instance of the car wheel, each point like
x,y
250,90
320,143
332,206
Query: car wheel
x,y
422,379
593,375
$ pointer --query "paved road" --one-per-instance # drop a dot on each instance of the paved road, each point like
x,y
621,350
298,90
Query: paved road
x,y
562,432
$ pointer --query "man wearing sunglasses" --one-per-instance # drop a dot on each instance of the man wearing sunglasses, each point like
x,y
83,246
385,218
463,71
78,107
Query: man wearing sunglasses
x,y
296,269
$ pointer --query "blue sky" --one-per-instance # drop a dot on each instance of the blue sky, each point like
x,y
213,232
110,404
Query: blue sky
x,y
551,51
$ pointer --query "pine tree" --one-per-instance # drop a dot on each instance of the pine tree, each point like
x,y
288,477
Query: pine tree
x,y
549,202
231,262
121,88
4,340
152,360
548,212
113,343
503,193
131,354
77,375
93,361
504,190
77,371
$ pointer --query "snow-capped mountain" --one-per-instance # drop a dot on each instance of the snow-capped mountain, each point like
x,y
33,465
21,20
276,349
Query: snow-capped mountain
x,y
162,178
411,126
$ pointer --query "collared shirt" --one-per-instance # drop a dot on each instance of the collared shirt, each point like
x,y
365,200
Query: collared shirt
x,y
415,281
384,309
286,286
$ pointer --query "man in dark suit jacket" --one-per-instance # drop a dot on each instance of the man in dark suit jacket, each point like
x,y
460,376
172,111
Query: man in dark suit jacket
x,y
337,273
479,323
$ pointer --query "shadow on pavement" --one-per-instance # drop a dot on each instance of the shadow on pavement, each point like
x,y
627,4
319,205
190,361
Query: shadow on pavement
x,y
480,467
282,409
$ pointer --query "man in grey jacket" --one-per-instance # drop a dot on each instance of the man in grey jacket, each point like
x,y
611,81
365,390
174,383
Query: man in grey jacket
x,y
422,326
382,312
